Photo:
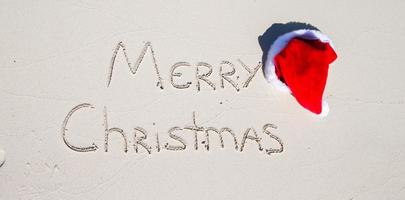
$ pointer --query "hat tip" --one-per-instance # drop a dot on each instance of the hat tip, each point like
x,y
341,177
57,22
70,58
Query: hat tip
x,y
325,109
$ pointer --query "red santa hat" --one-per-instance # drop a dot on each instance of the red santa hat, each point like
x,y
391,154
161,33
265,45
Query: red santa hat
x,y
298,63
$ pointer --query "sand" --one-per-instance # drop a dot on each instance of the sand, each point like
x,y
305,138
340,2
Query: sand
x,y
175,128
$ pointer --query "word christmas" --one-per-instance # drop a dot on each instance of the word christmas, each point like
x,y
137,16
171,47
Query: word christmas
x,y
203,71
175,141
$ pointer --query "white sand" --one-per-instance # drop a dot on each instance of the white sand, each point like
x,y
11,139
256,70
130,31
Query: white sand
x,y
55,55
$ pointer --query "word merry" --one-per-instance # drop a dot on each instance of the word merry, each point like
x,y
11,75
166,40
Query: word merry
x,y
176,141
203,71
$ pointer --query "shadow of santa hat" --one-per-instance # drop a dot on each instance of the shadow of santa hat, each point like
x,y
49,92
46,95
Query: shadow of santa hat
x,y
298,62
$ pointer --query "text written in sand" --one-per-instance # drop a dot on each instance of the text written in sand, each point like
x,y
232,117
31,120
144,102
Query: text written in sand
x,y
175,138
204,73
139,138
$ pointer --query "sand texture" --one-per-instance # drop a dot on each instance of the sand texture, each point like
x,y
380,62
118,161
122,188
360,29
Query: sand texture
x,y
167,100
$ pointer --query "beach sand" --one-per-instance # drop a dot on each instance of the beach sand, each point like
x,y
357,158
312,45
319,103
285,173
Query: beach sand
x,y
56,55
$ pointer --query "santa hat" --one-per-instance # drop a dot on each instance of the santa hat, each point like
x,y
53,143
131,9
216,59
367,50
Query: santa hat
x,y
298,63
